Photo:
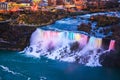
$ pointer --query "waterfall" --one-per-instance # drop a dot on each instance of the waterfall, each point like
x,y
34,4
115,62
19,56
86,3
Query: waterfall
x,y
112,45
67,46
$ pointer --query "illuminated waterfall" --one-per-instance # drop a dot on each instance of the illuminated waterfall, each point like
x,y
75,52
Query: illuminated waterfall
x,y
83,40
92,43
61,44
98,43
77,37
112,45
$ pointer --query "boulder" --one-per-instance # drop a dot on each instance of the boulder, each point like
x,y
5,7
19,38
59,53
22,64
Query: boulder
x,y
86,27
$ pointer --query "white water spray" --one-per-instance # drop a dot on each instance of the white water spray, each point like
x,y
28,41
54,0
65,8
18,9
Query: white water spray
x,y
66,46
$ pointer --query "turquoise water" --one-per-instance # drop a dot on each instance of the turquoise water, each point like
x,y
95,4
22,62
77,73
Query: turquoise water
x,y
16,66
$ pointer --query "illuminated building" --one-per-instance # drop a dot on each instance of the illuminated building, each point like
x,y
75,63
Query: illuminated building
x,y
3,5
36,1
80,4
35,4
2,0
12,6
69,3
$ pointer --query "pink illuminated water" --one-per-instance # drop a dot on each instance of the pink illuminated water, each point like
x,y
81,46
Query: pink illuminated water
x,y
112,45
83,39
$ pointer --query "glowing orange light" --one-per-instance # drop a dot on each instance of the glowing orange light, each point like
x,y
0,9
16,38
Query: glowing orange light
x,y
2,0
14,9
80,4
34,7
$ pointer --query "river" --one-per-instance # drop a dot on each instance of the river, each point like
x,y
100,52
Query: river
x,y
16,66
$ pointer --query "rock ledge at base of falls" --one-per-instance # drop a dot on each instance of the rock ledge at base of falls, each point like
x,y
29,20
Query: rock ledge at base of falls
x,y
112,58
14,38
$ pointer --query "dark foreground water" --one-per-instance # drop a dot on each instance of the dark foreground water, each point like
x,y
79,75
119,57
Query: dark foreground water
x,y
16,66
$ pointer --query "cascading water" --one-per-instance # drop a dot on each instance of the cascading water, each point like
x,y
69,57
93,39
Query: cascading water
x,y
112,45
70,46
67,46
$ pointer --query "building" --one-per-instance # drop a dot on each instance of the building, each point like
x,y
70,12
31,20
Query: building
x,y
3,6
51,2
55,2
102,3
80,4
36,1
69,3
12,6
59,2
43,3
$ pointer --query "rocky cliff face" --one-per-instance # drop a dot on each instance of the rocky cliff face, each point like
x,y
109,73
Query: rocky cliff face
x,y
14,37
112,58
